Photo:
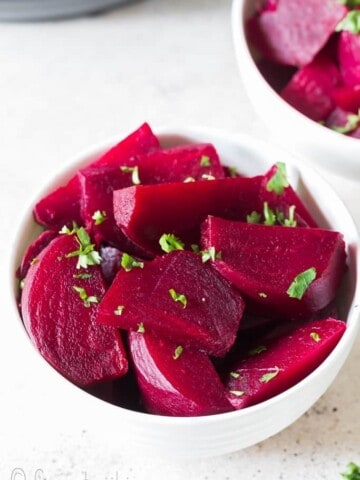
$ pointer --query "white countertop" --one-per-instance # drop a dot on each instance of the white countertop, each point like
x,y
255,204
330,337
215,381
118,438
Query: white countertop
x,y
68,84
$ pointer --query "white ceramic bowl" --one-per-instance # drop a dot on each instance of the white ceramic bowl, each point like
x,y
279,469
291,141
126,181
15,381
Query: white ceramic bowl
x,y
217,434
321,145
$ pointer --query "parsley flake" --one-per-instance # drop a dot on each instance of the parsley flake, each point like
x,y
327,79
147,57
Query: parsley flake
x,y
253,217
234,374
128,262
233,172
350,23
237,393
352,472
169,243
351,124
99,217
269,215
350,3
290,221
65,230
178,297
87,299
315,336
267,377
83,276
141,328
206,176
86,253
134,173
301,283
119,310
205,161
278,182
210,254
178,352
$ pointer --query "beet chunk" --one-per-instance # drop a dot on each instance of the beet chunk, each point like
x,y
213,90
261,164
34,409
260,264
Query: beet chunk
x,y
34,249
62,206
349,58
62,325
270,368
292,34
146,212
348,98
310,90
207,315
175,381
264,261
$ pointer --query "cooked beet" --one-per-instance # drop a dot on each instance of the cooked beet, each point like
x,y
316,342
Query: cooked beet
x,y
175,381
310,90
270,368
62,206
340,120
34,249
349,58
291,33
60,320
206,316
348,98
278,76
146,212
263,262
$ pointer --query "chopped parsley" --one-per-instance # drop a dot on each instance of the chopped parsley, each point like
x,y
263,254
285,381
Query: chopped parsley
x,y
178,352
290,221
65,230
234,374
233,172
134,173
169,243
141,328
269,215
128,262
350,23
278,182
205,161
119,310
350,3
83,276
178,297
253,217
353,121
301,283
315,336
99,217
267,377
86,253
206,176
87,299
352,472
257,350
237,393
210,254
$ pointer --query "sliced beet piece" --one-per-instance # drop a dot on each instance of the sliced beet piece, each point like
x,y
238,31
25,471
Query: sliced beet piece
x,y
62,325
349,58
263,262
62,206
310,90
144,213
293,34
34,249
348,98
209,320
277,365
175,381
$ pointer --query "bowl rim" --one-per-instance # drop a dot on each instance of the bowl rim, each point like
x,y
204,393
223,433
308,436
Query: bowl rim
x,y
189,132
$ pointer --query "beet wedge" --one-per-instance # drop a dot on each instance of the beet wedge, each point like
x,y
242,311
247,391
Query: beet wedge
x,y
178,297
286,271
190,162
62,205
270,368
286,36
59,305
176,381
144,213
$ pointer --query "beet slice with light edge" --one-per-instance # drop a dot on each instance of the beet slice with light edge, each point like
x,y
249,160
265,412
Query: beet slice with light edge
x,y
291,34
176,296
269,368
174,380
59,304
286,271
62,205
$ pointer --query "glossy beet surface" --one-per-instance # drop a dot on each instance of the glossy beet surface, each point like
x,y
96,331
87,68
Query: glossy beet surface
x,y
270,367
62,325
262,262
207,318
175,381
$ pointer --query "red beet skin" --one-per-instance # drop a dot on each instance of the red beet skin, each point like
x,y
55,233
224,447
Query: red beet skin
x,y
61,327
281,363
262,262
311,89
210,319
185,386
292,34
144,213
349,58
62,206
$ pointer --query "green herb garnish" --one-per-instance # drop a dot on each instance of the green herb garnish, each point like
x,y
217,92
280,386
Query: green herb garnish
x,y
233,172
195,248
253,217
301,283
178,297
234,374
134,173
205,161
278,182
21,283
210,254
128,262
206,176
141,328
119,310
350,3
352,123
352,472
87,299
99,217
178,352
83,276
86,253
169,243
267,377
315,336
237,393
269,215
350,23
290,221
